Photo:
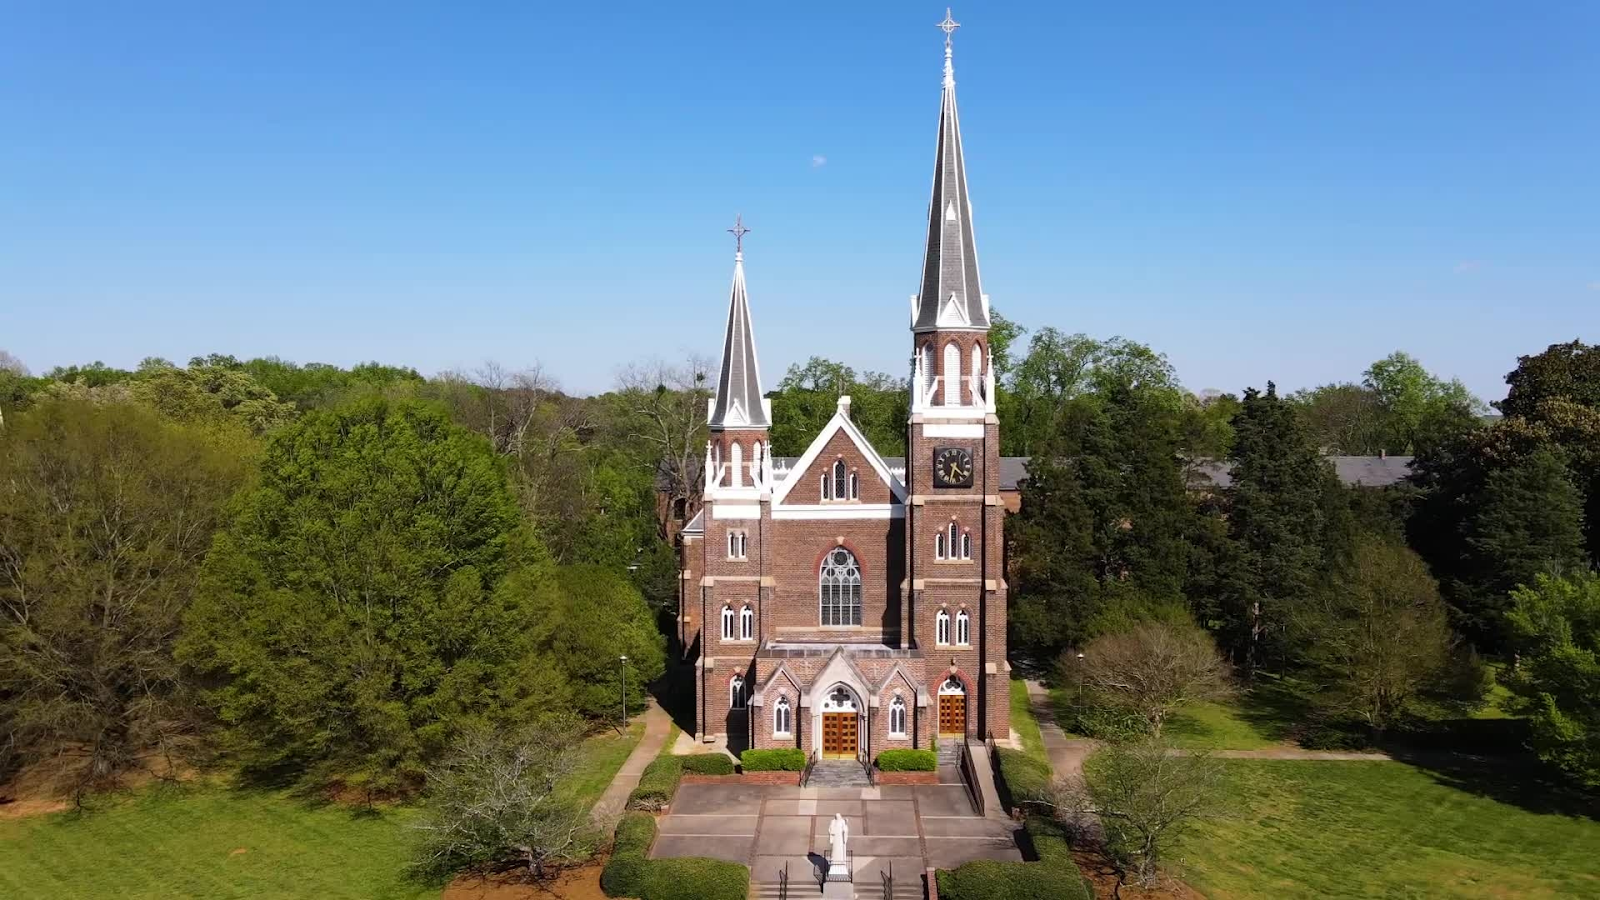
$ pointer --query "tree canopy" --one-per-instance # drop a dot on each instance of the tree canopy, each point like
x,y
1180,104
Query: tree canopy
x,y
370,597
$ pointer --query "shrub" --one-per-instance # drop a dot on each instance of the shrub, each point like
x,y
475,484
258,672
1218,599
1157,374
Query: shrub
x,y
1024,779
908,761
786,759
708,764
630,874
695,878
1055,875
658,783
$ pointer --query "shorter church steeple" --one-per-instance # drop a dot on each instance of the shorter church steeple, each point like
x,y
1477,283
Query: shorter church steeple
x,y
739,397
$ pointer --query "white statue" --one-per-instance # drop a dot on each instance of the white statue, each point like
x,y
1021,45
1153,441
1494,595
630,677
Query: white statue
x,y
838,836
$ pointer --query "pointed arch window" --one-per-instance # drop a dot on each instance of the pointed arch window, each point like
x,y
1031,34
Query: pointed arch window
x,y
977,370
727,623
757,471
839,588
747,624
954,541
928,373
782,718
940,549
855,486
826,483
963,628
736,456
941,630
952,374
841,484
966,545
736,692
897,717
738,543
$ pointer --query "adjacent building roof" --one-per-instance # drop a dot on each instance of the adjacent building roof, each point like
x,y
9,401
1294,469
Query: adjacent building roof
x,y
951,295
738,403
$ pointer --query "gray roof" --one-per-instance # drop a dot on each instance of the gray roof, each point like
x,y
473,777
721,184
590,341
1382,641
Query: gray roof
x,y
1353,471
950,266
739,382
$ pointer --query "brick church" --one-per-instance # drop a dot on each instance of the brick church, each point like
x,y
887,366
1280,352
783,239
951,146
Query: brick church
x,y
841,602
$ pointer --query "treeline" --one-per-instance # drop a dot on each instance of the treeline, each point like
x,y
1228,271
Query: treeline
x,y
1379,603
333,573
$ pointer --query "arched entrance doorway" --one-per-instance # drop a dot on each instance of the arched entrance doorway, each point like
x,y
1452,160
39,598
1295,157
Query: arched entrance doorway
x,y
952,707
841,724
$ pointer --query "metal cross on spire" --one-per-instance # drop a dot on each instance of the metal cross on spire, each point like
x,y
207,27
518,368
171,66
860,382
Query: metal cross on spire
x,y
738,231
948,26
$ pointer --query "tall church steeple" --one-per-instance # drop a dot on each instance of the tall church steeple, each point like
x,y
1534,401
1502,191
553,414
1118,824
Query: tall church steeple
x,y
739,403
951,297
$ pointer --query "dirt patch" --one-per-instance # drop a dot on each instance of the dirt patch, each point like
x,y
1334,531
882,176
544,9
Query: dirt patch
x,y
1104,878
46,786
577,883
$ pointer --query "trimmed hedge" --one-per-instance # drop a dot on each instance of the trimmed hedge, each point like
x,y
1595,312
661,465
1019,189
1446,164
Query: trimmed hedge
x,y
786,759
908,761
629,873
1024,779
708,764
1055,875
659,782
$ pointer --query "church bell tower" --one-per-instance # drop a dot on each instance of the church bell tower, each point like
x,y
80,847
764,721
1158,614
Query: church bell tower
x,y
956,603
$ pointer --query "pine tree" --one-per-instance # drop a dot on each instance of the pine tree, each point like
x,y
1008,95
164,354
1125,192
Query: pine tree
x,y
1103,535
1529,521
1290,523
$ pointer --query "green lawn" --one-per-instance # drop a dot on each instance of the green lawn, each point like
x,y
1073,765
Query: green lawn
x,y
604,754
1384,830
211,842
1216,726
1022,719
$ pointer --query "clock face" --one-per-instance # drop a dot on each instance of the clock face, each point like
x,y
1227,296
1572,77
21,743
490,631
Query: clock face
x,y
952,467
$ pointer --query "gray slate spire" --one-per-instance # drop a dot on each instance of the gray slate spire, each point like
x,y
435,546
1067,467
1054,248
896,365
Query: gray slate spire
x,y
739,394
951,295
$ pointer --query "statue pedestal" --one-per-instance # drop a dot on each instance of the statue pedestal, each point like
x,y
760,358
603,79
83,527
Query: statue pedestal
x,y
838,890
838,870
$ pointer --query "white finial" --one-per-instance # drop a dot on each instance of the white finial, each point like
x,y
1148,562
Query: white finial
x,y
948,26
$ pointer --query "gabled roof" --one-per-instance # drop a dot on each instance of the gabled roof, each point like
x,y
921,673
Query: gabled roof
x,y
841,422
697,525
951,295
738,402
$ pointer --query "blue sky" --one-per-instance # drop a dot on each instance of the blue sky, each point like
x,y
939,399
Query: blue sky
x,y
1258,190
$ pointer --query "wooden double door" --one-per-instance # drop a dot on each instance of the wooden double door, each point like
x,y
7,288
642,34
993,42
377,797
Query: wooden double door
x,y
952,714
840,735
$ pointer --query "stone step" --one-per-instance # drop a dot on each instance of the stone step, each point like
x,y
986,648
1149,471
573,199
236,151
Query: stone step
x,y
838,773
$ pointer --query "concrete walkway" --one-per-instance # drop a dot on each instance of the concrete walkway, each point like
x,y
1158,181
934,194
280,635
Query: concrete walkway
x,y
1066,754
656,725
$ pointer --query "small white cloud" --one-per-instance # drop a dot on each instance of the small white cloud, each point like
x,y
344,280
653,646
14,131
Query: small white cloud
x,y
818,161
1469,265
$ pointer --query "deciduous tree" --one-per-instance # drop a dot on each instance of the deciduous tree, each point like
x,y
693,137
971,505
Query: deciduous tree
x,y
497,799
1555,624
1376,637
1149,671
106,512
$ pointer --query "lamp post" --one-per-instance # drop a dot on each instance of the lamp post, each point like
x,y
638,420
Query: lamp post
x,y
1080,686
624,692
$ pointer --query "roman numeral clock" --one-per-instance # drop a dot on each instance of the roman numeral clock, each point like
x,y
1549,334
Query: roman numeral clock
x,y
952,467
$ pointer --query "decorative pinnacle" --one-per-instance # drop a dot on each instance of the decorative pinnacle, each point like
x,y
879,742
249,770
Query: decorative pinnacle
x,y
738,231
948,26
